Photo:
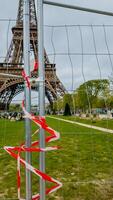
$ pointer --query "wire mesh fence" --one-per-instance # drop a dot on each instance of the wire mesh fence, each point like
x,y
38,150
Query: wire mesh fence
x,y
82,53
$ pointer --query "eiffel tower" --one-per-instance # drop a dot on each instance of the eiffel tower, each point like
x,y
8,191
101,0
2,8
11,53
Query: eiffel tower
x,y
11,82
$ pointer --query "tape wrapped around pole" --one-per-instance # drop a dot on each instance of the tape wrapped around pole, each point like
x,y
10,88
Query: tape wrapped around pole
x,y
15,152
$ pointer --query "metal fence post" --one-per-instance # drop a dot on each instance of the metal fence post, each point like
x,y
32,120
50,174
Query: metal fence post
x,y
26,40
41,90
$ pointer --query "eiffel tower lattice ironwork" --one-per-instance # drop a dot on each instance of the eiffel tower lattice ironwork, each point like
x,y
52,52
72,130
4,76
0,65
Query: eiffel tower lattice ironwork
x,y
10,85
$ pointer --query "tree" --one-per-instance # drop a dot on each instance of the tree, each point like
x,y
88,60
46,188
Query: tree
x,y
67,111
67,99
90,92
15,108
58,105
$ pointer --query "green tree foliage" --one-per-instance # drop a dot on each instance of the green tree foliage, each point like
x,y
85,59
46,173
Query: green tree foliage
x,y
58,105
15,108
67,99
92,92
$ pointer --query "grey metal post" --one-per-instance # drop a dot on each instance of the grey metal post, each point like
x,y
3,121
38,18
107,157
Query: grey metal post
x,y
27,94
70,6
41,90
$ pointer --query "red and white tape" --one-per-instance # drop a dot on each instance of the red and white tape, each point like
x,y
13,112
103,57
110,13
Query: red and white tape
x,y
15,152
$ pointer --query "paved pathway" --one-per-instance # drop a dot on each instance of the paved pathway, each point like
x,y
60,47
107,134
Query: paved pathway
x,y
85,125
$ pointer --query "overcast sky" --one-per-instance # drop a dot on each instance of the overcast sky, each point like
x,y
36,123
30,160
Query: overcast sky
x,y
64,40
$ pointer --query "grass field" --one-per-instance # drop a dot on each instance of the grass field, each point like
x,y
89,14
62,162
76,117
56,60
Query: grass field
x,y
105,123
84,164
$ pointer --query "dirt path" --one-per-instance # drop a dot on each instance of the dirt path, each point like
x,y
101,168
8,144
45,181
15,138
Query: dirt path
x,y
85,125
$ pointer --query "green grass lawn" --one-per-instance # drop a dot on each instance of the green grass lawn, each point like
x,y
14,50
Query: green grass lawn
x,y
105,123
84,164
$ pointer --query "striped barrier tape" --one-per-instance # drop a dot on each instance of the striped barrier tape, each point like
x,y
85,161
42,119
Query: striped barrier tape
x,y
15,152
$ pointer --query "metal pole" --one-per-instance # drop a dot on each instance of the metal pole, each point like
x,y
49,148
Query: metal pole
x,y
62,5
41,90
26,41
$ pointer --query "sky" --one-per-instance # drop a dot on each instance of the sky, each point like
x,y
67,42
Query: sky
x,y
62,39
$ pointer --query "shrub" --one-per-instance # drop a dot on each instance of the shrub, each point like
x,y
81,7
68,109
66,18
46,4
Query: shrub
x,y
67,111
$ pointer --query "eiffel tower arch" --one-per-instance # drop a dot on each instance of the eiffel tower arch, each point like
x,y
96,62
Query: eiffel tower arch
x,y
11,82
